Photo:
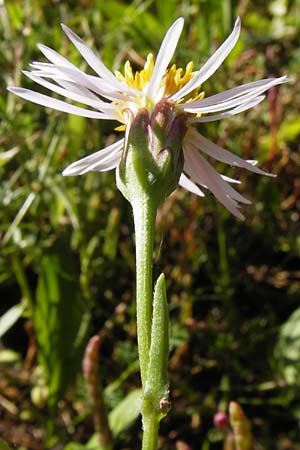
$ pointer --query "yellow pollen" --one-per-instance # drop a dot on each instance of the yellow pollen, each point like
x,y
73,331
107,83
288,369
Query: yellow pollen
x,y
172,81
141,78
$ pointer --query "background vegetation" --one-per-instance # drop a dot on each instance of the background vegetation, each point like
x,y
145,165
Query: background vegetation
x,y
67,252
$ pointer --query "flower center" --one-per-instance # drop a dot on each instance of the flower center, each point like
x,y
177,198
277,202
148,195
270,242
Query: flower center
x,y
172,81
140,79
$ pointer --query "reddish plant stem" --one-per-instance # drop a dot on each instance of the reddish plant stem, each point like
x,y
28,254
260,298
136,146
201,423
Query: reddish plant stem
x,y
95,391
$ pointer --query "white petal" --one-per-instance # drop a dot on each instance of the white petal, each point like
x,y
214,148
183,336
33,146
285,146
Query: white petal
x,y
98,104
199,169
59,105
230,180
212,64
232,112
109,164
96,64
104,159
73,87
237,91
201,143
55,57
40,70
95,84
185,182
165,54
211,172
195,107
59,60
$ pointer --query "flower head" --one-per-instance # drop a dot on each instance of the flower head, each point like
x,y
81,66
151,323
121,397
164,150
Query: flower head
x,y
121,96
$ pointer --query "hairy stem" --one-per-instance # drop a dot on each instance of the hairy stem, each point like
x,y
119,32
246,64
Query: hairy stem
x,y
144,213
144,210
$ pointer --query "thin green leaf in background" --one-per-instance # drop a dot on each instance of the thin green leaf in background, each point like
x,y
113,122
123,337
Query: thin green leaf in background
x,y
120,419
126,412
287,350
61,319
11,316
5,157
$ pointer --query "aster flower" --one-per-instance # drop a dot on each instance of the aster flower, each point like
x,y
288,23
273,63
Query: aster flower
x,y
110,97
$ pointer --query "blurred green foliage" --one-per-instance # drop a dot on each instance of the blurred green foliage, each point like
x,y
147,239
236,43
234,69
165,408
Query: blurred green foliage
x,y
67,252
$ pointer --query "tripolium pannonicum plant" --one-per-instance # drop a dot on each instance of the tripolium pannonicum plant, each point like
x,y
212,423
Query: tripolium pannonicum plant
x,y
160,109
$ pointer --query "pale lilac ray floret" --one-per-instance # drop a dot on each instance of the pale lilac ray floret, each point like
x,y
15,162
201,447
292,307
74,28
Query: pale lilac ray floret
x,y
109,96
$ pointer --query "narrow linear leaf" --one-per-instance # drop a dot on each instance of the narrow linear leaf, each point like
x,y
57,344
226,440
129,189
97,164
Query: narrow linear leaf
x,y
11,317
5,157
61,195
157,377
126,412
61,319
19,217
287,350
32,195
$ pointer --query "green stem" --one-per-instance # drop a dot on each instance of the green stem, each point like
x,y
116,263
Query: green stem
x,y
150,436
144,212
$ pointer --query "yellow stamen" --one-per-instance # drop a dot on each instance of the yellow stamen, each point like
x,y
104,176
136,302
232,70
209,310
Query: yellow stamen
x,y
120,128
141,78
172,81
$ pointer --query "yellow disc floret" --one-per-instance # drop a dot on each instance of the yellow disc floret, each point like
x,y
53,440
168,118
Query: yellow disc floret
x,y
140,79
172,81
